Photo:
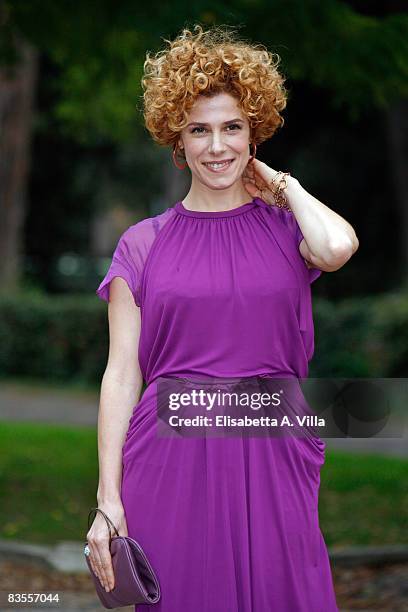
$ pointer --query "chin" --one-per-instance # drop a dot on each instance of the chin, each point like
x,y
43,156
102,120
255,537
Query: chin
x,y
217,186
220,182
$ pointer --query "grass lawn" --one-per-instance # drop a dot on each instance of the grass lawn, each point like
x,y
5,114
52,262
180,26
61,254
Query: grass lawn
x,y
48,482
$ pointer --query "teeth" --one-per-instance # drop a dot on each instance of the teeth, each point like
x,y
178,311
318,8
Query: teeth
x,y
216,166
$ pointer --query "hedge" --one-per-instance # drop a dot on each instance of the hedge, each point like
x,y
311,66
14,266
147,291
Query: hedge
x,y
65,338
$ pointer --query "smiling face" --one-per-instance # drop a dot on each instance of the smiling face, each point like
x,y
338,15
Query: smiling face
x,y
217,131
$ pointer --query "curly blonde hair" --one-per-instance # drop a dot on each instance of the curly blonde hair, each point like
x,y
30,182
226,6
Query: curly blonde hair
x,y
206,63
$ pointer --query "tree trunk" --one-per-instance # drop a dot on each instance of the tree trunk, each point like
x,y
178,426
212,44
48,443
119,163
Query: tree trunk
x,y
17,86
397,133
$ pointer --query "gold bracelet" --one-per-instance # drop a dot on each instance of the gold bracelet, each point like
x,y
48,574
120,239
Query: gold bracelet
x,y
277,188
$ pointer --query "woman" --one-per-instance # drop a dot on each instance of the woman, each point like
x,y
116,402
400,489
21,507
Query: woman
x,y
216,285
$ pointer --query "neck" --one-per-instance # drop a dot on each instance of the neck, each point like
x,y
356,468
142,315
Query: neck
x,y
202,198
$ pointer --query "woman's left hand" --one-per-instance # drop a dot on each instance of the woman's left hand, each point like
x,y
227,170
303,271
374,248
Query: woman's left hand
x,y
257,178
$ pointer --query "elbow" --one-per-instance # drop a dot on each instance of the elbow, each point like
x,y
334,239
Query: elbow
x,y
340,253
355,244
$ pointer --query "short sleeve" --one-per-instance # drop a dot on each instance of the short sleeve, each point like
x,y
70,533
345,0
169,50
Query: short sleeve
x,y
124,264
131,253
290,221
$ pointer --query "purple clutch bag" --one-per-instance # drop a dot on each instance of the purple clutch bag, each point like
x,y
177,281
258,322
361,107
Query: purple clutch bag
x,y
135,580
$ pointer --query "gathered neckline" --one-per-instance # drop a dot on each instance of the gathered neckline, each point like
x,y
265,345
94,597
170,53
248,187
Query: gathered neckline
x,y
180,208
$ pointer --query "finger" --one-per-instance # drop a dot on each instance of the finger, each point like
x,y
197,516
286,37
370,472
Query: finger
x,y
102,564
106,564
97,563
108,568
92,565
250,170
252,190
264,171
92,557
259,183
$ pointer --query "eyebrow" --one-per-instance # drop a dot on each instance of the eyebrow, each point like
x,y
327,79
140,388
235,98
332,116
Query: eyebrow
x,y
225,122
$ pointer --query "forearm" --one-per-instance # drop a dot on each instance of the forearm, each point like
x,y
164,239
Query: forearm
x,y
326,233
117,399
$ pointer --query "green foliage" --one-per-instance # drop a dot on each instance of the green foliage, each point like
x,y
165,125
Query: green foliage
x,y
99,50
342,331
361,61
362,337
101,94
65,338
54,339
361,499
56,469
48,480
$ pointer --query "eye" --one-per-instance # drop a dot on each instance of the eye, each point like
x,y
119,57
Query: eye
x,y
233,125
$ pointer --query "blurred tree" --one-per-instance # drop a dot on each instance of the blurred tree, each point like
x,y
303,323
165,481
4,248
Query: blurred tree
x,y
359,59
17,83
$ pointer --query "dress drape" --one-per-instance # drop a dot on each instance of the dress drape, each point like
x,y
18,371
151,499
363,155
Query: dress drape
x,y
229,524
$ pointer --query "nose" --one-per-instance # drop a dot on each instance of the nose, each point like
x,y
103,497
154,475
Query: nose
x,y
217,145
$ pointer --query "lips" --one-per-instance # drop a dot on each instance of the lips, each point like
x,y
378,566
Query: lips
x,y
221,165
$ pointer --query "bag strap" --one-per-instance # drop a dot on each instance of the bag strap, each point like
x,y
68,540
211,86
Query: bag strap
x,y
107,519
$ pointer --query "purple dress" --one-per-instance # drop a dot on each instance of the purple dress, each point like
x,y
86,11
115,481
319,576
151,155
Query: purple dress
x,y
229,524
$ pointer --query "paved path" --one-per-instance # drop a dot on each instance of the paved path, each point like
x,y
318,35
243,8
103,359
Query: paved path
x,y
24,403
361,581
